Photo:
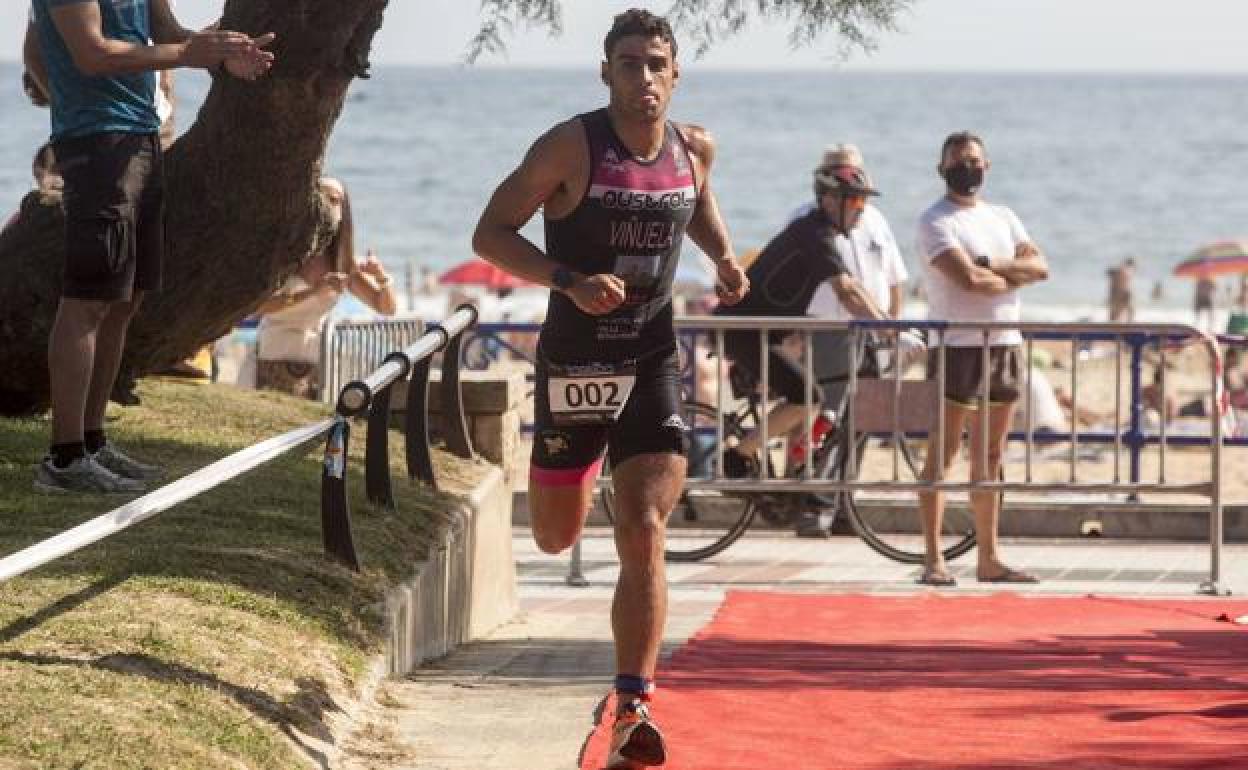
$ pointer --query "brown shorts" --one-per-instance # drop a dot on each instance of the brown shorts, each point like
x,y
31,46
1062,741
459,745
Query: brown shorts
x,y
114,215
964,374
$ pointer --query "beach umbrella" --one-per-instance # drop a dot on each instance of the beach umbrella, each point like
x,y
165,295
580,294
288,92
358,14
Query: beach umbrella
x,y
1221,258
478,272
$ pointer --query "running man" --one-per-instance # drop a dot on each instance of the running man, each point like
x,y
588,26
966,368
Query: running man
x,y
618,189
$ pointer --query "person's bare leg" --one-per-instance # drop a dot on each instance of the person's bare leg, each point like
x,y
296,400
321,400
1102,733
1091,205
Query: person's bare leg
x,y
986,505
781,420
646,489
557,513
932,504
110,343
72,348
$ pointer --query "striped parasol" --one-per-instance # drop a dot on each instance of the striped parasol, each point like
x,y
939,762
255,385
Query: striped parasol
x,y
1221,258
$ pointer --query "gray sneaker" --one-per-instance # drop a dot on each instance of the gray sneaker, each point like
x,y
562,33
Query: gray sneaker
x,y
126,466
82,475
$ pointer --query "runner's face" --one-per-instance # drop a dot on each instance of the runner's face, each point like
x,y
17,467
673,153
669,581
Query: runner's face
x,y
641,75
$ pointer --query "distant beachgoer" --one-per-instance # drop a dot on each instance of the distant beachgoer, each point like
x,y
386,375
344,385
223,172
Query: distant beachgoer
x,y
1159,291
975,258
1121,304
428,280
1202,304
1241,301
288,351
1151,397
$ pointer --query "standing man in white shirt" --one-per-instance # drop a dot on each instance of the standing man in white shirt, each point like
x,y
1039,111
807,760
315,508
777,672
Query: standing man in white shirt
x,y
975,256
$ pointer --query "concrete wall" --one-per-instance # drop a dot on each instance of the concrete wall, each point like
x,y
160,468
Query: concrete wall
x,y
466,587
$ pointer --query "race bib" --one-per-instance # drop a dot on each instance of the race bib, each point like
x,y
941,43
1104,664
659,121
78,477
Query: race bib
x,y
592,394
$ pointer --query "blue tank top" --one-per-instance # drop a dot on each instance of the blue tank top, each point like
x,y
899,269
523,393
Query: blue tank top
x,y
630,222
83,105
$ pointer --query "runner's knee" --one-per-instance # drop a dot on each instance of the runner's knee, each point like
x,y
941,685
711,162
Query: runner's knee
x,y
639,529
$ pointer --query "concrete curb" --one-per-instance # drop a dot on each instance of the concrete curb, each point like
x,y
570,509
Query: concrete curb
x,y
465,589
462,591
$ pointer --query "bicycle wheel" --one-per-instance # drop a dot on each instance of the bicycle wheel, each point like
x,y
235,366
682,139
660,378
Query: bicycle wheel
x,y
891,526
704,522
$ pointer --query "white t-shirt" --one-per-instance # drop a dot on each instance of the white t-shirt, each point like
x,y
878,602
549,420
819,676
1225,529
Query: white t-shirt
x,y
980,230
294,333
872,257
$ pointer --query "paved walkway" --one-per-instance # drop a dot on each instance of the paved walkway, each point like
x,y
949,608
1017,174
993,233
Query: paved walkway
x,y
524,697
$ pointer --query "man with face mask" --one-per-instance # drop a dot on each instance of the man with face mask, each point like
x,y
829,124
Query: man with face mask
x,y
975,257
807,255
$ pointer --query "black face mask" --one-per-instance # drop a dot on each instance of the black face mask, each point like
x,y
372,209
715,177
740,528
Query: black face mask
x,y
964,179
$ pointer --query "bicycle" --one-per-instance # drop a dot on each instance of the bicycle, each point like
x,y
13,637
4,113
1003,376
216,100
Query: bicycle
x,y
705,522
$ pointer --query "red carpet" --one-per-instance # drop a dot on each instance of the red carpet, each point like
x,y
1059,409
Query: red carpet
x,y
956,683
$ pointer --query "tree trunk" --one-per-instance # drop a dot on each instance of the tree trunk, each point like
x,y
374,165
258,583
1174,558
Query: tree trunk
x,y
241,205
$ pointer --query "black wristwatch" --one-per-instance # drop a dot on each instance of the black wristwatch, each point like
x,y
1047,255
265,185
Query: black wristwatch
x,y
983,261
562,278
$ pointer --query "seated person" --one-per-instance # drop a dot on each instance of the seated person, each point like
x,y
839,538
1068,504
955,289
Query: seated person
x,y
289,337
784,278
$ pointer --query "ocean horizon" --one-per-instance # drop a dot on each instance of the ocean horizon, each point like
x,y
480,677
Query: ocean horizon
x,y
1098,166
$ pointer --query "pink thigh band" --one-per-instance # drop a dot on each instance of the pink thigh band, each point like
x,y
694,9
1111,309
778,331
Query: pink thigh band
x,y
564,477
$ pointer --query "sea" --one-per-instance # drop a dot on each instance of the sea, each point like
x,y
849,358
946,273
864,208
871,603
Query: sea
x,y
1099,167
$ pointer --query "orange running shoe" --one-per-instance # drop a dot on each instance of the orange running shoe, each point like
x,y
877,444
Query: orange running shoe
x,y
635,740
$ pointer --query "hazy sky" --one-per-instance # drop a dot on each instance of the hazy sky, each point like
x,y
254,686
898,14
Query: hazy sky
x,y
968,35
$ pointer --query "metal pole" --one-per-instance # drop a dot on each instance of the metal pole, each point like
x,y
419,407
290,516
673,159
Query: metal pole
x,y
808,435
1165,418
940,408
1074,408
1117,409
1215,512
335,510
1031,414
575,576
985,377
897,437
851,436
764,467
1135,434
719,404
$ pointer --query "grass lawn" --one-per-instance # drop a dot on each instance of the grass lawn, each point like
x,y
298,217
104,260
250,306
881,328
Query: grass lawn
x,y
202,637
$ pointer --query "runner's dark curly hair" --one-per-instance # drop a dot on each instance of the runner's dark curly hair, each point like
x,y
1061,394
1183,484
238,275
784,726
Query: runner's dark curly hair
x,y
636,21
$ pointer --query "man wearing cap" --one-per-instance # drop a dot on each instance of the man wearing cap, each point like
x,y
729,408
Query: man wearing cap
x,y
808,254
872,259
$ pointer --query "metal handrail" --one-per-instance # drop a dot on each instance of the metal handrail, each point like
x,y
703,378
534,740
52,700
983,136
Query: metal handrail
x,y
372,393
371,396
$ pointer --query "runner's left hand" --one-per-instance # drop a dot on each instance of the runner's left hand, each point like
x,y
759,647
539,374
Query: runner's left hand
x,y
732,284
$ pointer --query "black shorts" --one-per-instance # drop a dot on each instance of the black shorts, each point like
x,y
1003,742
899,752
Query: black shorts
x,y
650,421
114,215
784,375
964,367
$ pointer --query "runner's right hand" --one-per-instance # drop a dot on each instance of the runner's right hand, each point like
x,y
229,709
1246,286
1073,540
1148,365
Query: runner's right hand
x,y
597,294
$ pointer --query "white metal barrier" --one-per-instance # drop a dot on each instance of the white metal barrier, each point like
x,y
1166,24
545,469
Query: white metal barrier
x,y
351,350
1121,336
